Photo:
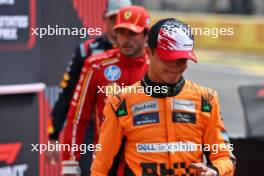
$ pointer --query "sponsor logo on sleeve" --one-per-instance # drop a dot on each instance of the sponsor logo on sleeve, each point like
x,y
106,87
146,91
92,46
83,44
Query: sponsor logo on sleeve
x,y
112,73
145,107
184,105
121,110
183,117
206,106
144,119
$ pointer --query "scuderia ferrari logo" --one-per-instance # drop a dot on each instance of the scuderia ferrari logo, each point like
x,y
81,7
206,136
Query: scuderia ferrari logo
x,y
127,15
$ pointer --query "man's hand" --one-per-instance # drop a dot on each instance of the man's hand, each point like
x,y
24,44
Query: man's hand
x,y
203,170
52,156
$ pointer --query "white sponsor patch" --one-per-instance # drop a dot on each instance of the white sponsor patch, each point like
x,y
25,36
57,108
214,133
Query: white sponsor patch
x,y
184,105
166,147
145,107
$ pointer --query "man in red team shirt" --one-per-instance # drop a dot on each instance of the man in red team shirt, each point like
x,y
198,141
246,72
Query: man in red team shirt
x,y
123,66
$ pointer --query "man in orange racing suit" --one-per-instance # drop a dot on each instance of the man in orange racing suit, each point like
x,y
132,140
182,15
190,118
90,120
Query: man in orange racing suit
x,y
123,66
166,123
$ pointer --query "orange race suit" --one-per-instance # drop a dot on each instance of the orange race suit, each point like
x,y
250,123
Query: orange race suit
x,y
89,97
162,133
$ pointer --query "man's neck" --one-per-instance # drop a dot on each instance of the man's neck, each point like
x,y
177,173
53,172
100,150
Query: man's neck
x,y
167,90
138,55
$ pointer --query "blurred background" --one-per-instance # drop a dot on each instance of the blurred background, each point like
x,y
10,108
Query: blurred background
x,y
243,7
31,69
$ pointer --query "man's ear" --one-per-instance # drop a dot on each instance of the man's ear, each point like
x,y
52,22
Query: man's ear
x,y
148,50
146,38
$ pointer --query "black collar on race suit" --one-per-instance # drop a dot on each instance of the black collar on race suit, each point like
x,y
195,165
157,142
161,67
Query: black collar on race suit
x,y
161,90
